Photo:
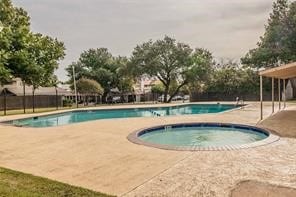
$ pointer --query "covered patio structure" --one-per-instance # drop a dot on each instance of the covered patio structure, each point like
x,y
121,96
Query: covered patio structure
x,y
281,74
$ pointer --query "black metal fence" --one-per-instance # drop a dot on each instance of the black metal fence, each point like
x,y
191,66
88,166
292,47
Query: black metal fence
x,y
211,96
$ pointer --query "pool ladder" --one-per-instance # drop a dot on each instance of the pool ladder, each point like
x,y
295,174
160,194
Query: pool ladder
x,y
155,113
168,128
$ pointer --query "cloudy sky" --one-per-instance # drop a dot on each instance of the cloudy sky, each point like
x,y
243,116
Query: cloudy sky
x,y
228,28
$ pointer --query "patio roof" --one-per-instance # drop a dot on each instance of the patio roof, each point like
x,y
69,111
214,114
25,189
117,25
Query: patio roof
x,y
282,72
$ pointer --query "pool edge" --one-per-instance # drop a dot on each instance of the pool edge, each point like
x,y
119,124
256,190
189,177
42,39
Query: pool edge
x,y
134,138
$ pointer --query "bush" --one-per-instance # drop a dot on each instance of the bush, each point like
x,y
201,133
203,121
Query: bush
x,y
67,103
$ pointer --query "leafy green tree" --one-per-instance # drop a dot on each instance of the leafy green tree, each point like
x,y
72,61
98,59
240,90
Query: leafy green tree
x,y
4,75
4,71
170,62
15,37
89,86
230,78
31,57
101,66
157,89
125,79
278,44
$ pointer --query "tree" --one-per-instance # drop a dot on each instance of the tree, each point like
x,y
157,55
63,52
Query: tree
x,y
101,66
170,62
54,82
230,78
87,86
4,71
157,89
45,52
278,44
31,57
125,79
4,75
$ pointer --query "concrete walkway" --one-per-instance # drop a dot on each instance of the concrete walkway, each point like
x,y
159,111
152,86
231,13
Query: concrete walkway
x,y
98,156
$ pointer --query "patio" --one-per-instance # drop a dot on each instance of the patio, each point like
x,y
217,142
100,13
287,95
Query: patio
x,y
97,155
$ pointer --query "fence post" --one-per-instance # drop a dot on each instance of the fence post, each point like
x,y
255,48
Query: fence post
x,y
24,96
4,91
33,99
57,105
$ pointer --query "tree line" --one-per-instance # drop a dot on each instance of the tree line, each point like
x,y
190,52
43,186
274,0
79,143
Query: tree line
x,y
179,67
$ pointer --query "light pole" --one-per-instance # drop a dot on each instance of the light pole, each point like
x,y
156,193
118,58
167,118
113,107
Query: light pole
x,y
4,90
75,89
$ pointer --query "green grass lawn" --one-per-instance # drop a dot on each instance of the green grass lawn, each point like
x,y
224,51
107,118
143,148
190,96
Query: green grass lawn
x,y
18,184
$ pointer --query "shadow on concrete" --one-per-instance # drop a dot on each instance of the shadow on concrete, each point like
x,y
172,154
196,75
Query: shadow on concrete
x,y
259,189
283,123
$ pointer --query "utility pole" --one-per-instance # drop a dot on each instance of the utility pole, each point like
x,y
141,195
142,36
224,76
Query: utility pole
x,y
4,90
75,89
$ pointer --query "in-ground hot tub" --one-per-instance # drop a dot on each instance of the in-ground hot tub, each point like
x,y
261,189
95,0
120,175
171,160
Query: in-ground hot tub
x,y
202,136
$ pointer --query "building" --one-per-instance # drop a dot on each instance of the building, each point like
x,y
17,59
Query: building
x,y
15,88
12,96
143,87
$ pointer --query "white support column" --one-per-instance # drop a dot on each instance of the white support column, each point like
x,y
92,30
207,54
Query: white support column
x,y
279,89
272,93
261,98
284,83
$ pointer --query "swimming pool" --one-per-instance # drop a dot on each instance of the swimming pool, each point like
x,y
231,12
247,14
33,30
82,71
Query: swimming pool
x,y
88,115
202,136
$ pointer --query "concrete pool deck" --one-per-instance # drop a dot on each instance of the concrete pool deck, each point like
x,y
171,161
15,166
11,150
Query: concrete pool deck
x,y
97,155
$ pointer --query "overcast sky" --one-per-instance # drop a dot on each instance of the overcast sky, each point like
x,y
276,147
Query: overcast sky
x,y
228,28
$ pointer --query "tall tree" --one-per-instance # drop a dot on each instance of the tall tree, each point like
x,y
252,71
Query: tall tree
x,y
88,86
101,66
45,52
4,71
231,78
278,44
31,57
171,62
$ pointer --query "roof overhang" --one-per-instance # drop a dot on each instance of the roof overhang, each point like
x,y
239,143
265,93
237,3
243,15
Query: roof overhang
x,y
281,72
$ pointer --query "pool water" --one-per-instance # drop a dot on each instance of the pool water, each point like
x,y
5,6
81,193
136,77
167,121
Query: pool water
x,y
203,136
88,115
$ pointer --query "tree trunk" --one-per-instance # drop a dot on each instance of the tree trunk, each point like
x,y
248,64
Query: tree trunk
x,y
56,91
165,96
104,97
176,91
24,96
5,103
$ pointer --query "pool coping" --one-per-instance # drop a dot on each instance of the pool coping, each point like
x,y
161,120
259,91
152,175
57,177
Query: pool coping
x,y
134,138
